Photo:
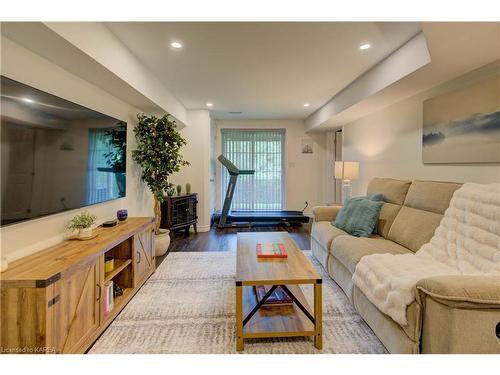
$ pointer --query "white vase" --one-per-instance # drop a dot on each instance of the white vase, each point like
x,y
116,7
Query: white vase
x,y
162,241
85,232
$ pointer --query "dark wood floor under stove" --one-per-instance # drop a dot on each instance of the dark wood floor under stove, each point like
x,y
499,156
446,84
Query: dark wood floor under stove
x,y
225,239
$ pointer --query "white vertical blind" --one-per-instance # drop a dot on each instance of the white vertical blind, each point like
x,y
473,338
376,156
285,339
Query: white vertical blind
x,y
263,151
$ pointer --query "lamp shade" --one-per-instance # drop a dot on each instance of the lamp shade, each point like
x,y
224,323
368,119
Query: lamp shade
x,y
346,170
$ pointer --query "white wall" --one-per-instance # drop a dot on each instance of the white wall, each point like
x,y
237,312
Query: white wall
x,y
388,143
197,153
22,65
305,173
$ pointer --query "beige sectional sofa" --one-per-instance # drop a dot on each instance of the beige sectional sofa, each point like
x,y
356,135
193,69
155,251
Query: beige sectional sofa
x,y
451,314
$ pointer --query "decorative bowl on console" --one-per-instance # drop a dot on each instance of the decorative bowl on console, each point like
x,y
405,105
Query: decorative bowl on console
x,y
122,215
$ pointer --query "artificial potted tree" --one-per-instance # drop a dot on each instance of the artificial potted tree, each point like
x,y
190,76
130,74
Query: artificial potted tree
x,y
158,154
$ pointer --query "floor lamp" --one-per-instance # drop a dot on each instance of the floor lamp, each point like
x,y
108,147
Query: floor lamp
x,y
346,171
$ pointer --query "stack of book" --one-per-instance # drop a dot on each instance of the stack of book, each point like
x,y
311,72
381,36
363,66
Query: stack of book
x,y
277,298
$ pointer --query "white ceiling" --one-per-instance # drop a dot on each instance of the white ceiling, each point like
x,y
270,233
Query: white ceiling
x,y
265,70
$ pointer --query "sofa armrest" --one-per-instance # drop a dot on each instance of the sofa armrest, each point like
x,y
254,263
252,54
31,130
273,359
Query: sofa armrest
x,y
458,291
325,213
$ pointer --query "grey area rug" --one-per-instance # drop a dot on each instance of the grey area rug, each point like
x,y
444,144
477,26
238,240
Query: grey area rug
x,y
188,306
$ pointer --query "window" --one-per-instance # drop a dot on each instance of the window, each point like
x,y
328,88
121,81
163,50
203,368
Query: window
x,y
263,151
101,183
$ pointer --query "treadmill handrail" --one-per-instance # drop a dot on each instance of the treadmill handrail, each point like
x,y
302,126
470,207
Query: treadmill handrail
x,y
233,169
247,171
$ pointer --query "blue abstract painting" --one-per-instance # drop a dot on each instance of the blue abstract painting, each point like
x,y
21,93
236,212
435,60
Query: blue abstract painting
x,y
463,126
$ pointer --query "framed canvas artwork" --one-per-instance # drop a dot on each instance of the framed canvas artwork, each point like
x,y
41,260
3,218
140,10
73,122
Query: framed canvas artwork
x,y
307,146
463,126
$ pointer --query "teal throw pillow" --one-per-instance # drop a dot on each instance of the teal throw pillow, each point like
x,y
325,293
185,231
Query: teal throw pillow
x,y
376,197
359,216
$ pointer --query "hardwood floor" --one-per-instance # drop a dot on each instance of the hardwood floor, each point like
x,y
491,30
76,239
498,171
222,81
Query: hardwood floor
x,y
225,239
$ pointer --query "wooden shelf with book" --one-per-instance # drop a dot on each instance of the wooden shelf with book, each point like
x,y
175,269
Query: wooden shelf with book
x,y
120,280
63,288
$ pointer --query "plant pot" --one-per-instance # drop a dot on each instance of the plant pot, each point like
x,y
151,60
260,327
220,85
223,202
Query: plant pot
x,y
85,232
162,241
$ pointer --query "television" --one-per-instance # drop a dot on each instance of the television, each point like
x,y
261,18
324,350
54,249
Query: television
x,y
56,155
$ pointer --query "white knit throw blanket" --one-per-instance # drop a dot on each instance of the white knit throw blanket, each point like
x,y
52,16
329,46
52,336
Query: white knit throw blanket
x,y
466,242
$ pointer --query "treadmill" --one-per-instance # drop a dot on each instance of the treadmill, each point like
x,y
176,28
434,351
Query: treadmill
x,y
228,218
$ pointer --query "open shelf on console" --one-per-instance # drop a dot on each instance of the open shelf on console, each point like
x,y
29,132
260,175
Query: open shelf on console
x,y
120,265
122,273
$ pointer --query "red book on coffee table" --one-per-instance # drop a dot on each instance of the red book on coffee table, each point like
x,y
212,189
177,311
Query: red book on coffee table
x,y
271,250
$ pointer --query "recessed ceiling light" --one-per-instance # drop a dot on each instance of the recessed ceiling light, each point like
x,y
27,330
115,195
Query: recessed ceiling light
x,y
176,45
365,46
306,105
210,104
28,100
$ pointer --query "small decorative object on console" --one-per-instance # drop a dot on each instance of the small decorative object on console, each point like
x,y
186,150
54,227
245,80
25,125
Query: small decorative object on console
x,y
271,250
188,188
179,189
122,215
109,264
170,189
109,224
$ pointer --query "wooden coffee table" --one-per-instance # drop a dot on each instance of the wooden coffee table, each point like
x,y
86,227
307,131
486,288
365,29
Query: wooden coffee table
x,y
255,321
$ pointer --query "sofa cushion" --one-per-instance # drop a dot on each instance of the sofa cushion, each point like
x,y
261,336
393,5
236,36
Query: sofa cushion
x,y
349,250
388,213
431,196
394,191
359,216
324,233
413,228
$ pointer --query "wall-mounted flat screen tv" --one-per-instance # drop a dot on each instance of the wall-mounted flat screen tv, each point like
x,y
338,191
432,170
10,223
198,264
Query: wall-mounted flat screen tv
x,y
56,155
